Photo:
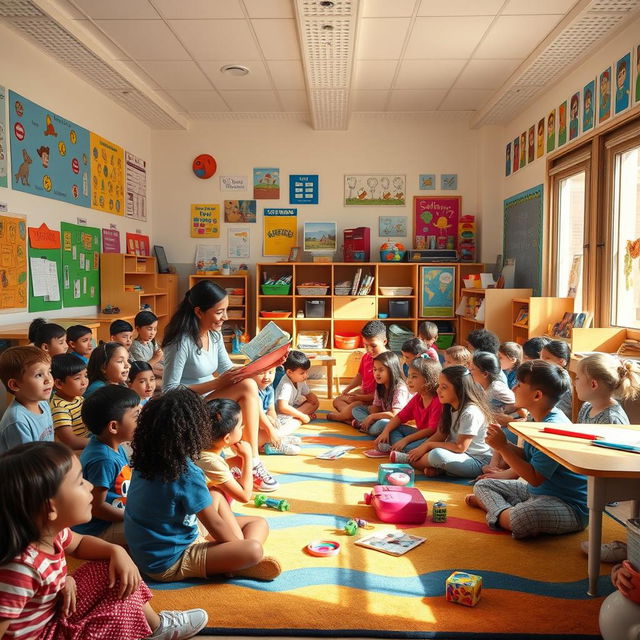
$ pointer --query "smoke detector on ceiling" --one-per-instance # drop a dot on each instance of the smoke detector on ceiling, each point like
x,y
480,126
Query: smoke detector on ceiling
x,y
235,70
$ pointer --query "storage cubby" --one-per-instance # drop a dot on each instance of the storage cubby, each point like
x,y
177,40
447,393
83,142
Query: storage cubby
x,y
533,317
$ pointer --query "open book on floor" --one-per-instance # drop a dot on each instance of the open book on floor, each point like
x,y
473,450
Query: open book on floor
x,y
390,541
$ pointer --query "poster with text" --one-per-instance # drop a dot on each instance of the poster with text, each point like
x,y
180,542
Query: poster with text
x,y
49,154
238,242
280,231
137,244
303,189
107,176
136,174
435,221
3,138
205,220
13,262
110,241
80,265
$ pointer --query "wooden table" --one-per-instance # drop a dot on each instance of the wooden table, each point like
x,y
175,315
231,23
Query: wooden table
x,y
103,322
20,332
611,474
329,363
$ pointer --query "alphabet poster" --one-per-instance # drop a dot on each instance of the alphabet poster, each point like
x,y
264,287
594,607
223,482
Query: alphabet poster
x,y
13,263
280,231
49,154
107,176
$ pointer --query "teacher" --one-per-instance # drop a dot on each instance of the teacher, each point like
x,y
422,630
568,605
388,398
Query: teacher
x,y
194,351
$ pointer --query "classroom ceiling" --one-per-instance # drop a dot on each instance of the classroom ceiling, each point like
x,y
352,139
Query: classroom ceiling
x,y
321,60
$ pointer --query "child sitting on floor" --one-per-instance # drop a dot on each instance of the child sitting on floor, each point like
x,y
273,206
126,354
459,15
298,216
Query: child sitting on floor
x,y
553,499
142,380
428,333
510,356
108,364
80,341
485,369
559,352
121,331
145,347
293,398
532,348
410,350
457,355
48,336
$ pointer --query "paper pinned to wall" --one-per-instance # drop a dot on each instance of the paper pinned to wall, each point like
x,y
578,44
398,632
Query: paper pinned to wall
x,y
44,279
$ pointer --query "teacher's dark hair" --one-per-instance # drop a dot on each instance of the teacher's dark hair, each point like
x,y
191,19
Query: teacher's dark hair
x,y
184,323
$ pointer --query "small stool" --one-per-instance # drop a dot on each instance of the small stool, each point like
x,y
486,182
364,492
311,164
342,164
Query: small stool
x,y
328,362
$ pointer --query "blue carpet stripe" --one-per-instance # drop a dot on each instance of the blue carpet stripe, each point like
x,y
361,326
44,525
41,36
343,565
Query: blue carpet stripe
x,y
424,585
364,481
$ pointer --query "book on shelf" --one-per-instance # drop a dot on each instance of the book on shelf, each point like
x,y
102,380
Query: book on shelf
x,y
522,319
395,543
356,282
365,286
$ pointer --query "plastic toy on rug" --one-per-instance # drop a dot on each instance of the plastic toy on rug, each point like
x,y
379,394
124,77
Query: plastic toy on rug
x,y
272,503
439,511
351,526
400,505
464,588
323,548
391,472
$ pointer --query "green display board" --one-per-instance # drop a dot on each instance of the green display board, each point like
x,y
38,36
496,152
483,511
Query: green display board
x,y
80,265
42,303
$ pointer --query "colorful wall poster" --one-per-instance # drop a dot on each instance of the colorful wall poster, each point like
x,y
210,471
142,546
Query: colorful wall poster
x,y
208,257
107,176
623,83
392,226
374,190
435,221
531,147
540,139
588,116
523,149
13,262
437,287
303,189
80,265
562,124
427,182
137,244
507,159
551,131
280,231
449,182
205,220
637,94
238,242
516,154
240,211
234,183
320,237
604,95
45,269
136,175
266,183
49,154
574,116
3,138
110,241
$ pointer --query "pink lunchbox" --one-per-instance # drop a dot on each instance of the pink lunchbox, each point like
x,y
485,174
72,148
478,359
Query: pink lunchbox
x,y
401,505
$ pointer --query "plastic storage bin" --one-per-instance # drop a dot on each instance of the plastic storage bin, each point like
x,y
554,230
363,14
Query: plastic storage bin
x,y
399,308
347,340
314,308
275,289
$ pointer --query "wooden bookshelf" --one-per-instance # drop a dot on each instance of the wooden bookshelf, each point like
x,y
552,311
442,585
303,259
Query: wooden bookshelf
x,y
542,312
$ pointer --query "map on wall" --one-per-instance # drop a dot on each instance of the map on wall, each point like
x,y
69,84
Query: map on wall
x,y
107,176
49,154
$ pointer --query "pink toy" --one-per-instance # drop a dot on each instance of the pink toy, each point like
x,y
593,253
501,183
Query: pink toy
x,y
398,479
401,505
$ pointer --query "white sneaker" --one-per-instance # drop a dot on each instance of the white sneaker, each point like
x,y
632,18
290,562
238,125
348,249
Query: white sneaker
x,y
610,552
179,625
263,480
284,448
236,472
297,440
399,456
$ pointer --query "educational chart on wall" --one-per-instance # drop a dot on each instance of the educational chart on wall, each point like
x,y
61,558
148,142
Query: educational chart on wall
x,y
80,265
107,176
280,231
136,174
49,154
523,237
437,286
435,221
13,262
45,269
3,138
205,220
303,189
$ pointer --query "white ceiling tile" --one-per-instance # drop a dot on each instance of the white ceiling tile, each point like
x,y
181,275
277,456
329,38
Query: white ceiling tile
x,y
446,38
539,6
515,36
386,9
270,9
174,103
381,38
486,74
117,9
141,73
428,74
144,39
247,101
460,7
199,100
287,74
374,74
216,39
114,50
416,100
256,79
177,75
197,9
465,99
369,100
294,100
278,39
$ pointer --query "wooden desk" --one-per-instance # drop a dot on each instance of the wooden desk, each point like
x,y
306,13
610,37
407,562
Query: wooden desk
x,y
611,475
20,332
103,322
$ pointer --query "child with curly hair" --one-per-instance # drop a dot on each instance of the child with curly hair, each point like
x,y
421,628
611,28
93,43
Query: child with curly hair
x,y
170,511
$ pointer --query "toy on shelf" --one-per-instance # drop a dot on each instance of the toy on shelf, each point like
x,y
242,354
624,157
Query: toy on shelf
x,y
396,469
464,588
467,238
273,503
401,505
439,511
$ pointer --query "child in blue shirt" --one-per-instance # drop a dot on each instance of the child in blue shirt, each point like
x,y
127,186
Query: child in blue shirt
x,y
26,373
170,509
111,415
80,341
553,500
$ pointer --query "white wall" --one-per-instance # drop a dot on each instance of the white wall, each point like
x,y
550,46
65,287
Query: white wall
x,y
31,73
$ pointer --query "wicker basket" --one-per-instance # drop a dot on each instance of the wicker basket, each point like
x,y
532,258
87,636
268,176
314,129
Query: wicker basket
x,y
313,291
236,300
343,291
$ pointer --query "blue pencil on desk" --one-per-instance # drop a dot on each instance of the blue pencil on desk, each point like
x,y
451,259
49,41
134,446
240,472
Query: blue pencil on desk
x,y
616,445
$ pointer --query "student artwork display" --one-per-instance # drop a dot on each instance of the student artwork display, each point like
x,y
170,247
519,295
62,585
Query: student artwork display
x,y
266,183
507,159
13,262
562,124
240,211
80,265
637,94
110,241
516,154
551,131
207,257
136,174
3,138
437,287
303,189
49,154
540,139
604,95
531,146
205,220
107,176
574,116
374,190
392,226
137,244
45,269
435,221
238,242
587,106
623,83
280,231
320,237
449,182
427,182
523,149
234,183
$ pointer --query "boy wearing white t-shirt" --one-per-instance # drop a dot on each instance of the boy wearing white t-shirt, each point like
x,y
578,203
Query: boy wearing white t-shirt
x,y
294,402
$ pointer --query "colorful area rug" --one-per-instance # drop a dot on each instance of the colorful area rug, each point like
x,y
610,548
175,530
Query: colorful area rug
x,y
531,589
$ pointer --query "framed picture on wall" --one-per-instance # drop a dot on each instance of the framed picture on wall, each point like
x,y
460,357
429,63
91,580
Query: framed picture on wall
x,y
435,221
378,189
321,237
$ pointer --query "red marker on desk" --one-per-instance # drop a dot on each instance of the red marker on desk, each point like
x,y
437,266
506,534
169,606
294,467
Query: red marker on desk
x,y
571,434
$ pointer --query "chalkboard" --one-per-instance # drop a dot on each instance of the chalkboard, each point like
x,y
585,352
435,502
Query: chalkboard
x,y
523,223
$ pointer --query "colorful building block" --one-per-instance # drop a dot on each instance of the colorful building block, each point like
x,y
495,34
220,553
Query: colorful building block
x,y
387,468
464,588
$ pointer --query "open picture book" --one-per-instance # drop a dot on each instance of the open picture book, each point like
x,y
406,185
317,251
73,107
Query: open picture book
x,y
391,541
265,351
